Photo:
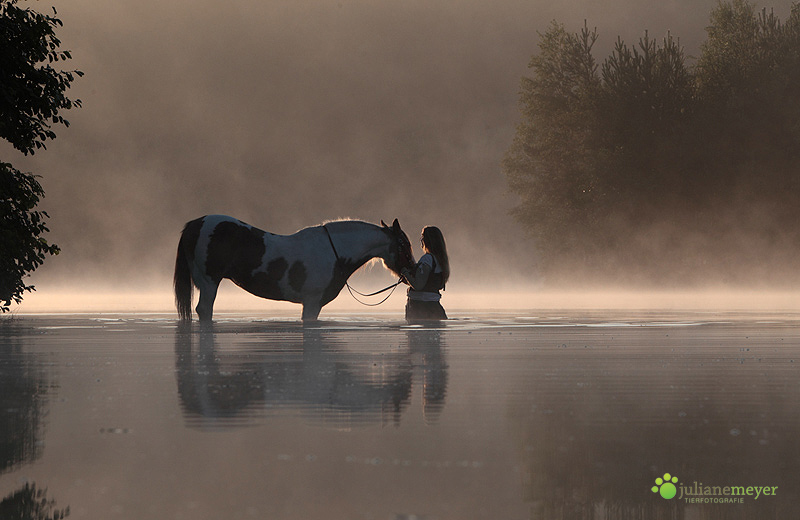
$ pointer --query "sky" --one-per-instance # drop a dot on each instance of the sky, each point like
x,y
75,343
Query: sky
x,y
288,113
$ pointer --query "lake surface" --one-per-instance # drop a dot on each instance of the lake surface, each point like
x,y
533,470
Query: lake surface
x,y
552,415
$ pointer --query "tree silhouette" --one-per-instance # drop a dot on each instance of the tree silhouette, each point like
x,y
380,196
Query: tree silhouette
x,y
32,96
551,163
645,166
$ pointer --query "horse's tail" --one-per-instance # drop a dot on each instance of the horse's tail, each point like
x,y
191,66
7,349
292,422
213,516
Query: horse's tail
x,y
182,281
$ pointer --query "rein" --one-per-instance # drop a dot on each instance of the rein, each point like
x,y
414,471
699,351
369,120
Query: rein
x,y
351,290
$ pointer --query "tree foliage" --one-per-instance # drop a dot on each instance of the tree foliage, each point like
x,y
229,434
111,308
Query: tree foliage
x,y
22,248
550,163
32,92
650,165
32,98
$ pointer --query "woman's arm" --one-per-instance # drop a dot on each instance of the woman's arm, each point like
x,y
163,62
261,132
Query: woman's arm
x,y
418,277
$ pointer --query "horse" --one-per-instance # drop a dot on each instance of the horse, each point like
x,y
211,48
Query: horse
x,y
309,267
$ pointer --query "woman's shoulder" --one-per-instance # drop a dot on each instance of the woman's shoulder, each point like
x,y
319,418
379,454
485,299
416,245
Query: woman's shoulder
x,y
426,259
430,261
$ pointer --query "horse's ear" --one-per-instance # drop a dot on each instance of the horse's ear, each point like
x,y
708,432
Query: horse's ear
x,y
383,223
395,225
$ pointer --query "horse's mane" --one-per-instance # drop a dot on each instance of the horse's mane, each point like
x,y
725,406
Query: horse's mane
x,y
344,220
349,223
340,225
346,223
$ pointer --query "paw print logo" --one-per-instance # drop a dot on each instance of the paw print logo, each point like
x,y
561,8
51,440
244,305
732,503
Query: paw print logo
x,y
666,486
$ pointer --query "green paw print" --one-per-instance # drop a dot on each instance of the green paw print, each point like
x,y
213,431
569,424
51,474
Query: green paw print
x,y
666,486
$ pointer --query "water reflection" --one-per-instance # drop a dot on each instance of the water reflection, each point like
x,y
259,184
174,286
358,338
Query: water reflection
x,y
517,420
224,380
24,389
24,393
30,503
596,433
425,350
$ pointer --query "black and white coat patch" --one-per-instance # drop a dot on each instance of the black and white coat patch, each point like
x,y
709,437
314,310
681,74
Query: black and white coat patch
x,y
309,267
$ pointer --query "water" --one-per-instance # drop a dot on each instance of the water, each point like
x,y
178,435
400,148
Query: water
x,y
489,416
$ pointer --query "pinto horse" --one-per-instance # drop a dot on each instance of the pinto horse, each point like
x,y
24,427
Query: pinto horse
x,y
309,267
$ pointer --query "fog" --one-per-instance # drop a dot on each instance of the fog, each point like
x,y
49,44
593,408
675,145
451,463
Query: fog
x,y
288,113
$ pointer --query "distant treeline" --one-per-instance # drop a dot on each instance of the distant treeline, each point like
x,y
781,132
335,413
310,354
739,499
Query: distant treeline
x,y
646,168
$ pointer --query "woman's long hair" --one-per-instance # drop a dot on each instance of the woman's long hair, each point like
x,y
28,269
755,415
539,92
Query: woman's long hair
x,y
433,242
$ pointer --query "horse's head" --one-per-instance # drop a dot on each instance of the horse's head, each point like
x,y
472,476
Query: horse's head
x,y
399,255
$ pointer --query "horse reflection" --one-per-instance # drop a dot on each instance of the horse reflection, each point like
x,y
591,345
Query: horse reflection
x,y
227,380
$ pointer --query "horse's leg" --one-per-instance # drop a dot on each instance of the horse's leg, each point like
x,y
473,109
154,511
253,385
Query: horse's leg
x,y
208,293
311,311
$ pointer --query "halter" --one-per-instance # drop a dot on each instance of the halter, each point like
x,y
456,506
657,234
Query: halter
x,y
347,284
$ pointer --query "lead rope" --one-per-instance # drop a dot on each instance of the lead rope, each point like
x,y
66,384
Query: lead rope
x,y
392,287
351,290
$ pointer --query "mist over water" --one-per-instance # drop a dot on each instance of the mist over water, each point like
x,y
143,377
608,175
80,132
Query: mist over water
x,y
285,114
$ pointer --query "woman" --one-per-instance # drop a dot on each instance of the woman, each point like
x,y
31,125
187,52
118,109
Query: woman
x,y
427,278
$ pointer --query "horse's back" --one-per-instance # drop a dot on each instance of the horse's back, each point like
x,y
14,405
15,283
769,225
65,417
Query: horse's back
x,y
229,247
276,267
211,222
